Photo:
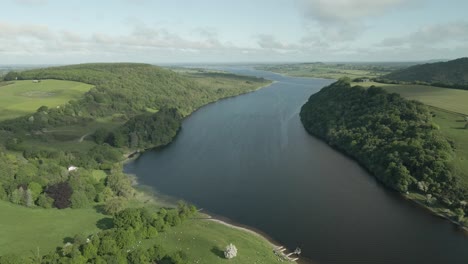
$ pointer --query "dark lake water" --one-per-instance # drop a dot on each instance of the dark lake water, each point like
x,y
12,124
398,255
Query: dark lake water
x,y
249,159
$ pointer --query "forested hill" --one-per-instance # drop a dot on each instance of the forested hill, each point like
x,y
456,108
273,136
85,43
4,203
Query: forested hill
x,y
142,94
127,87
393,138
447,74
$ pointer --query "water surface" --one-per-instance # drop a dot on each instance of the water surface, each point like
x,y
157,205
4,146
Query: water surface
x,y
248,158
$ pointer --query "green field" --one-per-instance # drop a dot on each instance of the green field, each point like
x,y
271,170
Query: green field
x,y
452,127
449,99
23,230
24,97
204,241
329,70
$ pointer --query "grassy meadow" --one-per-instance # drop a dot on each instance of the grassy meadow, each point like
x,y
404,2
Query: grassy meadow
x,y
23,97
453,100
23,230
452,127
203,241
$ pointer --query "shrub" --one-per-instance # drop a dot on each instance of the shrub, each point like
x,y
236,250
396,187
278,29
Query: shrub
x,y
230,251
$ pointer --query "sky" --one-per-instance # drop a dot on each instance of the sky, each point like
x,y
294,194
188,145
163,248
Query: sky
x,y
226,31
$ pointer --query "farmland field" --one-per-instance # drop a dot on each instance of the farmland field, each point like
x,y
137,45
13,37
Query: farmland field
x,y
23,97
23,230
453,100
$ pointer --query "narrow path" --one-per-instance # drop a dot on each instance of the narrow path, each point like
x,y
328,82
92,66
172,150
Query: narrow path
x,y
83,137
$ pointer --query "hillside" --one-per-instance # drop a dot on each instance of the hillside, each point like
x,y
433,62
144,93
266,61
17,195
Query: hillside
x,y
129,107
447,74
129,87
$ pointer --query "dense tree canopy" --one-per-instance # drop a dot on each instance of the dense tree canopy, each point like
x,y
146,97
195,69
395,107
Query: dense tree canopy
x,y
393,138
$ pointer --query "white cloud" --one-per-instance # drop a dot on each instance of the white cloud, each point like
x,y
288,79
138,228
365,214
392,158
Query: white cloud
x,y
266,41
30,2
8,31
455,32
340,11
342,20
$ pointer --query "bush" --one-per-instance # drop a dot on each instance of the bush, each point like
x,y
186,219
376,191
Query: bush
x,y
44,201
79,200
115,205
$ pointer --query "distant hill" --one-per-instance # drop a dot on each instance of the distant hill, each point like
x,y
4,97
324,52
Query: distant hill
x,y
452,73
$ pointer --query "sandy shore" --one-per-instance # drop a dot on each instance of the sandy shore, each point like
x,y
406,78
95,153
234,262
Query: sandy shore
x,y
243,229
273,244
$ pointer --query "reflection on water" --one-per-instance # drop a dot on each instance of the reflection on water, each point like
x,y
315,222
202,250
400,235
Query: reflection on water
x,y
248,158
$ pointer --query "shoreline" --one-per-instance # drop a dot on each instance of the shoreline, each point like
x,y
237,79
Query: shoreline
x,y
155,196
258,233
430,210
406,197
135,154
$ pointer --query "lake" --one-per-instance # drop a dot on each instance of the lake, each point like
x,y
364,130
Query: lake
x,y
248,158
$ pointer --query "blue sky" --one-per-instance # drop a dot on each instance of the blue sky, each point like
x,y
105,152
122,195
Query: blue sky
x,y
210,31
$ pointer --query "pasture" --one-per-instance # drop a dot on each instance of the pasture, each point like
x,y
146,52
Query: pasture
x,y
24,97
452,127
24,230
444,98
203,241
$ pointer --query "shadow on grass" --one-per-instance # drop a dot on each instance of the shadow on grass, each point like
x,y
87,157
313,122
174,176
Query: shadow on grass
x,y
218,252
105,223
68,240
99,208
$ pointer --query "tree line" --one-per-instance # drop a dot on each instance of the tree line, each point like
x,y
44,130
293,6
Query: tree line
x,y
394,138
122,242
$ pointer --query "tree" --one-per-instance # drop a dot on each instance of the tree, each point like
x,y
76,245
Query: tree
x,y
120,184
89,251
105,195
138,255
79,200
116,139
114,205
107,246
36,189
45,201
3,193
17,196
230,251
28,198
125,238
172,217
129,217
61,193
101,135
460,214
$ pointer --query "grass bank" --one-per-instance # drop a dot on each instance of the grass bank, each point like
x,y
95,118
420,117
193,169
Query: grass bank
x,y
204,240
49,228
